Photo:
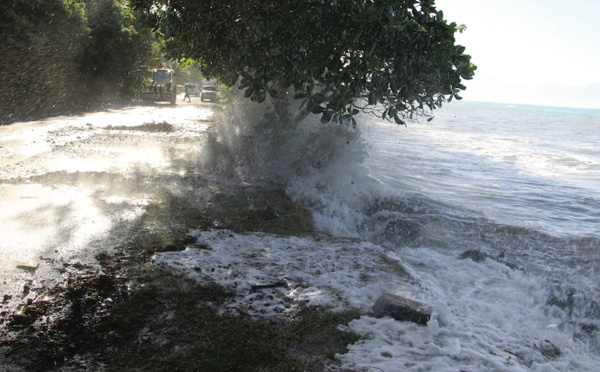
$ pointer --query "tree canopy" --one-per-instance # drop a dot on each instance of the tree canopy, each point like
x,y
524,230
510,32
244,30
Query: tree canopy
x,y
392,57
117,45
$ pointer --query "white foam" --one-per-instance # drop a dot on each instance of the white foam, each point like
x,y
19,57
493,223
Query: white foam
x,y
272,275
486,316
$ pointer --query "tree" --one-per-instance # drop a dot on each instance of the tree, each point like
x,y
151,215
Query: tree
x,y
41,40
59,54
393,57
117,45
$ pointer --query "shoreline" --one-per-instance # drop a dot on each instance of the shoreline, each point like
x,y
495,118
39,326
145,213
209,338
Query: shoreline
x,y
106,306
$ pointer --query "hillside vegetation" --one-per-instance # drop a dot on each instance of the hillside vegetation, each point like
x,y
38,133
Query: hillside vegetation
x,y
60,54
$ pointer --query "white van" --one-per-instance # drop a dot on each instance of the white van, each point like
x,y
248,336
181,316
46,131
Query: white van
x,y
209,91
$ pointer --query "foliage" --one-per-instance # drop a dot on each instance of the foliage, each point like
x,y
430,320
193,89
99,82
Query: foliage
x,y
65,53
117,45
41,42
339,56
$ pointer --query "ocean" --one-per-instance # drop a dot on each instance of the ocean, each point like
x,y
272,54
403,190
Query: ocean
x,y
493,210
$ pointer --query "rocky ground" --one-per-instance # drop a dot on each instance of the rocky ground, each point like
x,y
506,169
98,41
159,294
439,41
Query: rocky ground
x,y
85,203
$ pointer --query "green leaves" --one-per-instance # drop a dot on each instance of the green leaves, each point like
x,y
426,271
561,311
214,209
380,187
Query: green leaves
x,y
392,113
395,57
317,109
77,52
326,117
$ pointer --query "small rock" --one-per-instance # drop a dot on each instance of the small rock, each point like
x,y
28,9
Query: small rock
x,y
401,308
548,349
28,265
474,254
270,213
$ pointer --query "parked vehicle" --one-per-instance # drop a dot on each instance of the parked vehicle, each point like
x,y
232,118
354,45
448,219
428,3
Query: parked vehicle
x,y
162,89
209,91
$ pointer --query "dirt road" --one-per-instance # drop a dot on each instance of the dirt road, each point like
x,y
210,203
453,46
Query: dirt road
x,y
85,201
71,188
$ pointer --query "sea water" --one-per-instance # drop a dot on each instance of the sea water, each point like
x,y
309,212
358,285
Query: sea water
x,y
519,185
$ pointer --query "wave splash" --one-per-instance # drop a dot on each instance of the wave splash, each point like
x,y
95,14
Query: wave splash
x,y
261,144
323,167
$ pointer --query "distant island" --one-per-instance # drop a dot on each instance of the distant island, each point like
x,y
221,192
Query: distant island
x,y
485,88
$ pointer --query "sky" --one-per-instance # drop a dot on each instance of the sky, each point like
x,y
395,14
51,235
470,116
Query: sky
x,y
531,51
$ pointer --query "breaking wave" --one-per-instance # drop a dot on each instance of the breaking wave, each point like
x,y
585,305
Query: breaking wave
x,y
437,204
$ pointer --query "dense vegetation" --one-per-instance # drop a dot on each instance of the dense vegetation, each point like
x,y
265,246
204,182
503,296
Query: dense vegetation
x,y
392,57
340,56
58,54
